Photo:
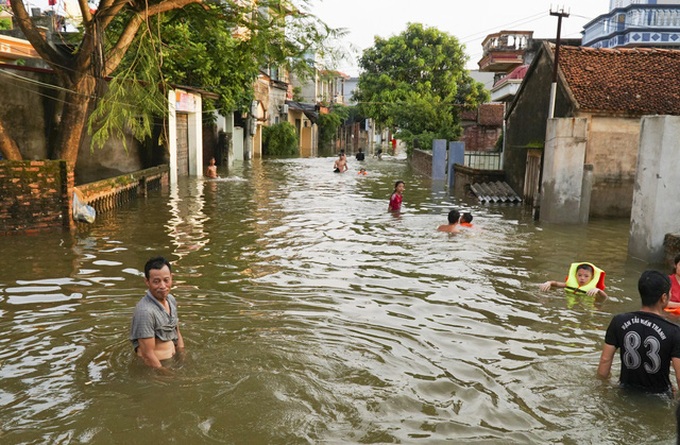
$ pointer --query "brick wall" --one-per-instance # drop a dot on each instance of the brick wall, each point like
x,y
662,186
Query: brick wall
x,y
421,161
482,127
35,196
481,138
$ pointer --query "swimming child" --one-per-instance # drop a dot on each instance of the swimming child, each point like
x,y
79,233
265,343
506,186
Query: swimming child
x,y
583,278
396,198
362,171
466,219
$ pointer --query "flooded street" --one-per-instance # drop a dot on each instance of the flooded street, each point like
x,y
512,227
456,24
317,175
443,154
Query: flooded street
x,y
312,315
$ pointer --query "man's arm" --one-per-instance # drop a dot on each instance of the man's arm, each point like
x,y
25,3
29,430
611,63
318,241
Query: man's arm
x,y
606,359
146,351
675,361
180,340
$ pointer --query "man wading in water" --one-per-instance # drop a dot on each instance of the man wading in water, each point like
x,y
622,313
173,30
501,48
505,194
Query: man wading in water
x,y
155,331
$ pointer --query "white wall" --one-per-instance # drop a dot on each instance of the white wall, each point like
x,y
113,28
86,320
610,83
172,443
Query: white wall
x,y
655,197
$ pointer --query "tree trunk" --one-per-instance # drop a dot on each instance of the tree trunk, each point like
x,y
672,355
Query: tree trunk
x,y
73,119
8,148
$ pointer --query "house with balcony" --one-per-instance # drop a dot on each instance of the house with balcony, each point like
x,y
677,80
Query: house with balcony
x,y
612,89
635,23
325,86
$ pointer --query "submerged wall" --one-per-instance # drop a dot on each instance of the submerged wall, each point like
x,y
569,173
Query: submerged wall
x,y
656,206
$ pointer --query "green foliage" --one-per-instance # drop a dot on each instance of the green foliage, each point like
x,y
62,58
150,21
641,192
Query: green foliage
x,y
129,104
5,24
218,47
329,124
416,83
297,94
280,140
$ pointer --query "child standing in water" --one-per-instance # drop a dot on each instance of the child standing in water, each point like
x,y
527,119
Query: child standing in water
x,y
211,171
396,198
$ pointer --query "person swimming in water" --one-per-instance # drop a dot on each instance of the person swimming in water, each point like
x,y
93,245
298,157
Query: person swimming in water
x,y
583,277
452,226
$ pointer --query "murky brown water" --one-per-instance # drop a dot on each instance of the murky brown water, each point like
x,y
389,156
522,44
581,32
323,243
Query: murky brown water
x,y
311,315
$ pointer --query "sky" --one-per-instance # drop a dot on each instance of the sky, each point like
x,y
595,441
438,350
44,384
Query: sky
x,y
470,21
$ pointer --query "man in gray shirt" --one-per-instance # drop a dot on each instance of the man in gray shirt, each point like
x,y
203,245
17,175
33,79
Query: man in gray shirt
x,y
155,333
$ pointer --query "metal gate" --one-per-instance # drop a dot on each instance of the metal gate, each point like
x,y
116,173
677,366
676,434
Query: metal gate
x,y
182,144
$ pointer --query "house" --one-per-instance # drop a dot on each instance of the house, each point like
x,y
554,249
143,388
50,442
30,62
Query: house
x,y
635,23
325,86
611,89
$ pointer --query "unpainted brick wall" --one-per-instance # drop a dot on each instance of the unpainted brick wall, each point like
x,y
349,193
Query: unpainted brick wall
x,y
34,196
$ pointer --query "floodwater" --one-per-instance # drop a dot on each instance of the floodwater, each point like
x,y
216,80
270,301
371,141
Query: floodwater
x,y
313,316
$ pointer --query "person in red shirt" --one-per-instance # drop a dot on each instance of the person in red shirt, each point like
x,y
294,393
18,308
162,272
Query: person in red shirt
x,y
674,303
396,198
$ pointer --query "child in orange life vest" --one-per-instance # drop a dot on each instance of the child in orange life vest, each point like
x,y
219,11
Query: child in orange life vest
x,y
466,220
582,278
362,171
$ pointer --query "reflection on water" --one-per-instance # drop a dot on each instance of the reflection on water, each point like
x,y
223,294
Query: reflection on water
x,y
311,315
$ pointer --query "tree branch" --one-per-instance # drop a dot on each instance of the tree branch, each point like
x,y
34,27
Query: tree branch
x,y
127,36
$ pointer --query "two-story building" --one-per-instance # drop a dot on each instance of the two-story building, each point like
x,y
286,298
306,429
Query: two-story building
x,y
636,23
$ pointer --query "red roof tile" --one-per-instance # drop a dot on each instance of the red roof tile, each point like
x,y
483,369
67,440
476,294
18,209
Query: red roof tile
x,y
635,81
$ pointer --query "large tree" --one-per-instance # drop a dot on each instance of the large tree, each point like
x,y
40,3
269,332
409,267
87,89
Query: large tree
x,y
217,46
416,83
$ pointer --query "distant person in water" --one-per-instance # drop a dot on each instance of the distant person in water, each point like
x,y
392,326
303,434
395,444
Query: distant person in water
x,y
362,171
397,197
340,165
360,155
452,226
211,171
379,154
466,219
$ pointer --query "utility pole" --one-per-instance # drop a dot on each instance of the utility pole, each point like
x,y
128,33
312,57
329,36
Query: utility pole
x,y
553,88
551,111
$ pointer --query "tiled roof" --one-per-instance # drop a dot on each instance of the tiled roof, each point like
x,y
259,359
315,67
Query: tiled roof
x,y
516,74
635,81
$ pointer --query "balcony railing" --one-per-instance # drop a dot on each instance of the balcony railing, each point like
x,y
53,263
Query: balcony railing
x,y
484,160
639,17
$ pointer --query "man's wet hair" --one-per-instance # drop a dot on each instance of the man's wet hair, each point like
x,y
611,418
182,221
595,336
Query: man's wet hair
x,y
156,263
454,216
652,285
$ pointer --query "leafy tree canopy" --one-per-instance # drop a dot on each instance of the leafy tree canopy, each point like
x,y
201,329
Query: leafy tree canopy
x,y
416,83
218,46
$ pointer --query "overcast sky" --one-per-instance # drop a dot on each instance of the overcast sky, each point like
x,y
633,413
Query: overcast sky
x,y
469,21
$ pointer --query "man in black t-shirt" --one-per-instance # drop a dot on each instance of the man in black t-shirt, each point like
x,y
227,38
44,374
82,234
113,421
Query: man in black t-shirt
x,y
648,343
